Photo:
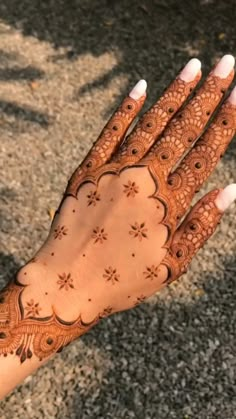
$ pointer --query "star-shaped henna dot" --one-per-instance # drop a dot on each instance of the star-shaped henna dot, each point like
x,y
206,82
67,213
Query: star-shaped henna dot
x,y
93,198
151,272
111,275
32,309
99,235
131,189
139,231
59,232
65,281
140,300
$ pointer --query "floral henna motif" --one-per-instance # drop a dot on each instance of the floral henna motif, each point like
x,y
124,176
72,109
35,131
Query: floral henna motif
x,y
99,235
106,312
140,300
151,272
131,189
32,309
93,198
59,232
111,275
65,281
26,335
139,231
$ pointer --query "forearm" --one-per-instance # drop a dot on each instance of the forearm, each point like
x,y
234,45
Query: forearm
x,y
28,340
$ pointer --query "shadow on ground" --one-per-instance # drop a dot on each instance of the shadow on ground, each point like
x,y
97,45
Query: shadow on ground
x,y
151,38
175,357
180,357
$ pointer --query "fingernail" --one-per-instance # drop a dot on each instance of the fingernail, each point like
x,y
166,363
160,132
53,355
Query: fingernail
x,y
138,90
232,96
190,71
224,66
226,197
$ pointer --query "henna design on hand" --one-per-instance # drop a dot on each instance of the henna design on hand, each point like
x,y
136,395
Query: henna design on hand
x,y
59,232
65,281
111,275
32,309
131,189
139,231
120,217
99,235
93,198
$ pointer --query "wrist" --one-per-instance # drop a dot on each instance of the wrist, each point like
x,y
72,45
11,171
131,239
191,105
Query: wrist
x,y
30,325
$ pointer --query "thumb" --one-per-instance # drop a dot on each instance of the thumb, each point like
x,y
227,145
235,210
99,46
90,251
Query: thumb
x,y
196,229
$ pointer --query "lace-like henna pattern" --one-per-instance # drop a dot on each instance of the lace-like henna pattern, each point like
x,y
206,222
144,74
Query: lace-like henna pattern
x,y
138,142
59,232
196,229
111,275
65,281
200,162
182,132
131,189
153,122
25,336
110,137
99,235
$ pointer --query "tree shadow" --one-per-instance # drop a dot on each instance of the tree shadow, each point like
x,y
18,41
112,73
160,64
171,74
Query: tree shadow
x,y
12,70
150,38
169,361
8,268
145,34
164,359
23,113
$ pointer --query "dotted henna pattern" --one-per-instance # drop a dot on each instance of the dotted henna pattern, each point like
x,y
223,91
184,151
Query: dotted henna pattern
x,y
156,145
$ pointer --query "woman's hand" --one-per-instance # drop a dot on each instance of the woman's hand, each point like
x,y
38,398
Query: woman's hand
x,y
119,234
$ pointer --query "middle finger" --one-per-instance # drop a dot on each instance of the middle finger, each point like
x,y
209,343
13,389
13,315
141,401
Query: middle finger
x,y
186,127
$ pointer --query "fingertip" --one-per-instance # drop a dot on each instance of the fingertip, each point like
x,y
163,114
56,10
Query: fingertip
x,y
191,70
224,66
226,197
232,96
138,90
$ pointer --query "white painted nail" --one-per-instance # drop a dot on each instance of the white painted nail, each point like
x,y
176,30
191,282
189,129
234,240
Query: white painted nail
x,y
232,96
224,66
190,71
226,197
138,90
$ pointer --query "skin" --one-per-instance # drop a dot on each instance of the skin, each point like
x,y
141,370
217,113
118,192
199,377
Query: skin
x,y
128,197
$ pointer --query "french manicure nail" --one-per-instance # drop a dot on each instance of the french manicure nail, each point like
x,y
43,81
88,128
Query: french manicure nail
x,y
224,66
191,70
138,90
226,197
232,96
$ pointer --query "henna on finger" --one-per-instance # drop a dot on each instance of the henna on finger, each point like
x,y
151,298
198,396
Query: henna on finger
x,y
188,125
153,122
202,159
115,242
109,139
195,230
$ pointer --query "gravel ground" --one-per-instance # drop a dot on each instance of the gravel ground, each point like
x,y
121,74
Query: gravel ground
x,y
64,66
